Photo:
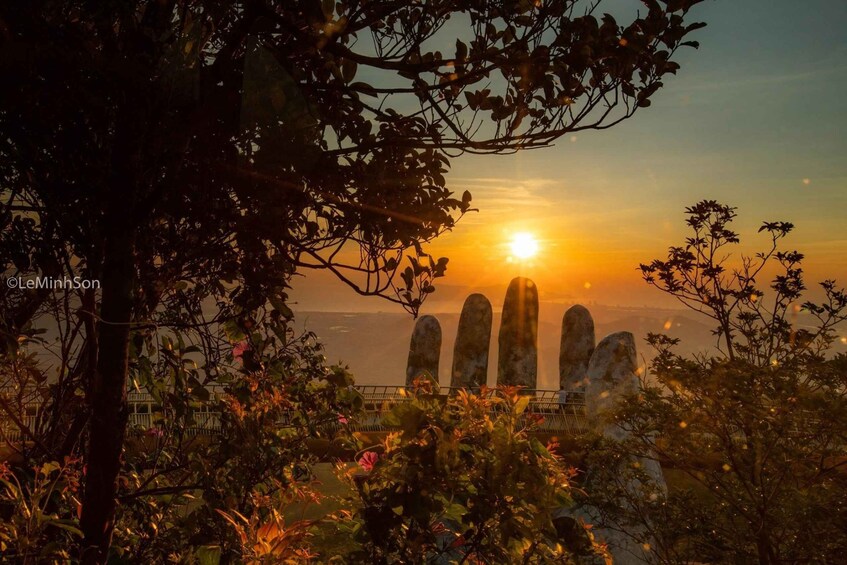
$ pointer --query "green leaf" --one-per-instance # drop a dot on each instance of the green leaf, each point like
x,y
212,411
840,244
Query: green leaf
x,y
461,50
348,70
67,525
405,416
208,555
48,468
198,391
280,306
538,448
455,512
521,404
233,332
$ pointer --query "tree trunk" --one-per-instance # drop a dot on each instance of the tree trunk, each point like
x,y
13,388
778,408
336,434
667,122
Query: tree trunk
x,y
108,406
765,549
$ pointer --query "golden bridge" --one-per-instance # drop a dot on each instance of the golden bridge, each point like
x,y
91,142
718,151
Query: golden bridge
x,y
561,412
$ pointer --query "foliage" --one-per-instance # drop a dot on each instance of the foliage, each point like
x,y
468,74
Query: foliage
x,y
193,155
241,139
753,441
182,492
185,492
751,325
22,388
462,480
38,512
270,541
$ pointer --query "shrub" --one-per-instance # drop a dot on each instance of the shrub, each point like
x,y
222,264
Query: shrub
x,y
464,480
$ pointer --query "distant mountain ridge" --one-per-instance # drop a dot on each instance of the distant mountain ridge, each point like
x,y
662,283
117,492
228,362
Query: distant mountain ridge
x,y
375,345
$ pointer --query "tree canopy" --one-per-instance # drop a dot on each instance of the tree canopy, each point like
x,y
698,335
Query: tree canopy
x,y
193,155
250,131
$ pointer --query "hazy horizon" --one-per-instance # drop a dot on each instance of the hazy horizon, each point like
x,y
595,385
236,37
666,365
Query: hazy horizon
x,y
375,345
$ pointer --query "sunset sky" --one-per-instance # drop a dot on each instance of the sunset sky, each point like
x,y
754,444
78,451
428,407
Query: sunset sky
x,y
756,119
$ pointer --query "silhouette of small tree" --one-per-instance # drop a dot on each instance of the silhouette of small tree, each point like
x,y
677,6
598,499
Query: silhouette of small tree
x,y
751,440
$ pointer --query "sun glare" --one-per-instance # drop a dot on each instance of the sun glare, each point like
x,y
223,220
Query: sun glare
x,y
524,245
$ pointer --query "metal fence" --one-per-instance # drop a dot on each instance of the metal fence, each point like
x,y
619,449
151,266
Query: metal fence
x,y
27,414
560,412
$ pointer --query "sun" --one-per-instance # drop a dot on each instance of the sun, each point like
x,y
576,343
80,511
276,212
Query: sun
x,y
524,245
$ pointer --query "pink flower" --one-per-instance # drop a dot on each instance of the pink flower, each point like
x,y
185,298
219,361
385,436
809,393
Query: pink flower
x,y
458,542
342,419
238,350
368,460
154,432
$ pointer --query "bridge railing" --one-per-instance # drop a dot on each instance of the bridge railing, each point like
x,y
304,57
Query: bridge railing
x,y
399,393
562,411
10,431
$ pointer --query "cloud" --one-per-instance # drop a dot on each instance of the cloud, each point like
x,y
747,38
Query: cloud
x,y
764,80
499,196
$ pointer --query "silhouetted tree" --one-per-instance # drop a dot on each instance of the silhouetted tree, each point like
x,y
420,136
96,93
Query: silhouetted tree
x,y
190,153
752,438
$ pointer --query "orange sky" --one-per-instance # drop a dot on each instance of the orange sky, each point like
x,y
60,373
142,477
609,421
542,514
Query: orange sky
x,y
756,119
